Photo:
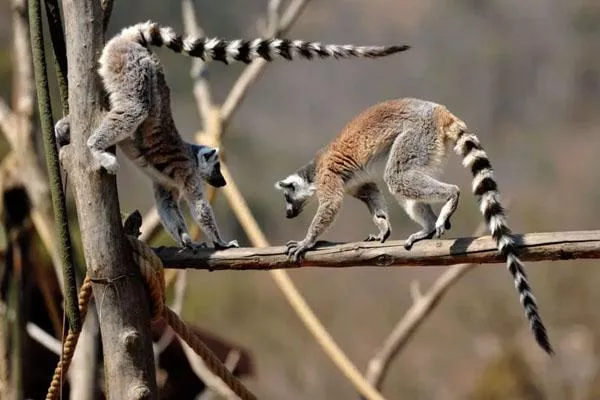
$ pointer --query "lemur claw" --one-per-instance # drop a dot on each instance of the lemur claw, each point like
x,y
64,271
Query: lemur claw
x,y
381,237
295,250
194,247
439,231
372,238
224,245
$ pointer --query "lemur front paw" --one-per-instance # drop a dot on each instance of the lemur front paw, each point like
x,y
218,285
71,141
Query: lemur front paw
x,y
62,132
441,228
106,160
226,245
417,237
295,250
188,244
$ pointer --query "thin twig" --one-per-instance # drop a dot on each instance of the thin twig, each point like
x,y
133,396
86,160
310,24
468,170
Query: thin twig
x,y
212,381
199,71
216,119
252,72
284,282
423,305
44,338
231,361
8,122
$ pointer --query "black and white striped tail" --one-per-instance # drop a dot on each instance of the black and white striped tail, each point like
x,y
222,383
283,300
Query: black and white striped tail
x,y
150,33
486,190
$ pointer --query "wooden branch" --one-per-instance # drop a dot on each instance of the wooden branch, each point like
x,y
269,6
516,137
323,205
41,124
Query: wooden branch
x,y
482,250
123,310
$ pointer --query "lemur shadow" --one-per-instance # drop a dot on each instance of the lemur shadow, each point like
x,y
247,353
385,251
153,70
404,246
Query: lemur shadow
x,y
461,245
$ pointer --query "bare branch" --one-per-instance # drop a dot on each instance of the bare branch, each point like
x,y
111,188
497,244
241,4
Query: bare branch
x,y
482,250
215,119
8,122
212,381
422,307
252,72
292,294
44,338
199,71
233,357
273,17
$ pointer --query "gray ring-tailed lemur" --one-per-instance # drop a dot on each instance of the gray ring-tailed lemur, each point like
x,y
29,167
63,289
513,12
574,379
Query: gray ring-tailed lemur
x,y
416,136
141,122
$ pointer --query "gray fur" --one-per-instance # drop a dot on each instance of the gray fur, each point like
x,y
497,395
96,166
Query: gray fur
x,y
415,159
140,122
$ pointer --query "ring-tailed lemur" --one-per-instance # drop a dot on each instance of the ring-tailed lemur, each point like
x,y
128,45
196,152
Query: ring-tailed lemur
x,y
140,118
416,136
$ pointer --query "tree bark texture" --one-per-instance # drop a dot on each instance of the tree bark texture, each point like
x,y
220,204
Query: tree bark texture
x,y
122,300
482,250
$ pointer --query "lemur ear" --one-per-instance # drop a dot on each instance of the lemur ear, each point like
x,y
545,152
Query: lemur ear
x,y
210,154
281,185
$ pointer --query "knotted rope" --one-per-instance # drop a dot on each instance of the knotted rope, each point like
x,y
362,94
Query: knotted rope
x,y
152,271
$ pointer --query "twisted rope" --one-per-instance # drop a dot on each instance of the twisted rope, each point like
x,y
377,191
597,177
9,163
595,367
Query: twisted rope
x,y
70,342
152,271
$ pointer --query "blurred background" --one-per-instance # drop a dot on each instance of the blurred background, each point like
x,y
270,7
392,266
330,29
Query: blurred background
x,y
525,76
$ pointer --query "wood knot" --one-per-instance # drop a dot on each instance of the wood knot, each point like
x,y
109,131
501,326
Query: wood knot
x,y
131,340
139,391
384,260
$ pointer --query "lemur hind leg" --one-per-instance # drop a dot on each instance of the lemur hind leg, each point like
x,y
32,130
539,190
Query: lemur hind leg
x,y
130,107
167,204
418,189
370,194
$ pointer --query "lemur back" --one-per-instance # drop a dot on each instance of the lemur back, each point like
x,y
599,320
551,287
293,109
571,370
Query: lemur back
x,y
416,136
370,135
141,123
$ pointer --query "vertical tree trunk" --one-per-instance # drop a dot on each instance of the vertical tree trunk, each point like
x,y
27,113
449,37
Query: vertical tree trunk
x,y
123,302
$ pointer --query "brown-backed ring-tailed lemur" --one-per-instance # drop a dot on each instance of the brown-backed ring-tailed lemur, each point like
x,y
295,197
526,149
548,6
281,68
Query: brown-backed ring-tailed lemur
x,y
416,136
140,118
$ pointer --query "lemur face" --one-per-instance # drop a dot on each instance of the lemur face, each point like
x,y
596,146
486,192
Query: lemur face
x,y
297,192
209,166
